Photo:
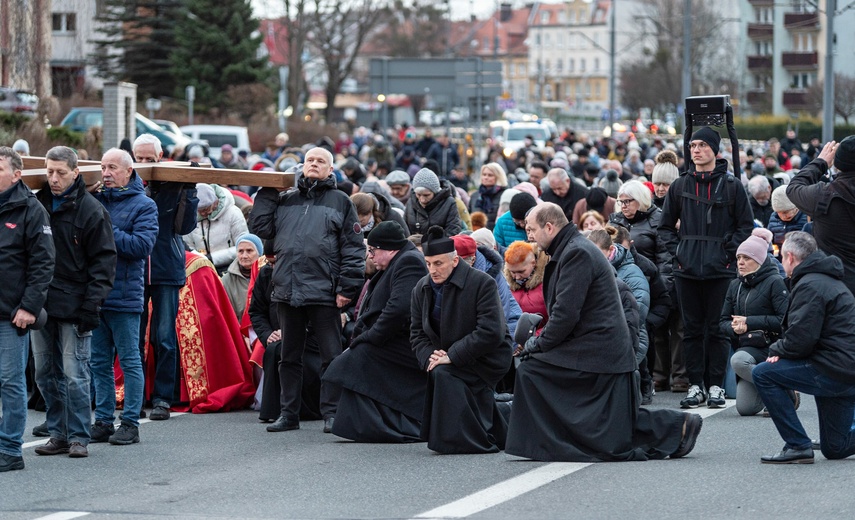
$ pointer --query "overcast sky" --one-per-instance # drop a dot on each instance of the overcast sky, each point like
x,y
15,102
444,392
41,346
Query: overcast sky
x,y
460,9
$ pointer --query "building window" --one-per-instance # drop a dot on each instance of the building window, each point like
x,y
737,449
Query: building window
x,y
597,90
559,66
562,17
571,64
582,64
537,40
64,22
544,17
596,64
521,69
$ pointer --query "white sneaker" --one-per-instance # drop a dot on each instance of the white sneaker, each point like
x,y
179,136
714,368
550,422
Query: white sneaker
x,y
716,399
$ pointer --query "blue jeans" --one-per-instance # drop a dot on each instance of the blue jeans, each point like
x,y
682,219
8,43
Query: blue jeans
x,y
13,388
835,405
61,357
164,340
118,334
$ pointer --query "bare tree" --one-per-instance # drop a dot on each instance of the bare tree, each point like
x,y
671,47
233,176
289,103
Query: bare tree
x,y
339,28
844,96
296,25
418,29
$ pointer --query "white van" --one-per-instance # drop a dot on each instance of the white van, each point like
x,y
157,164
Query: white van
x,y
218,135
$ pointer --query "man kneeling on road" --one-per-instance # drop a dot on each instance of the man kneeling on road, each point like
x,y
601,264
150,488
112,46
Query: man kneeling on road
x,y
816,355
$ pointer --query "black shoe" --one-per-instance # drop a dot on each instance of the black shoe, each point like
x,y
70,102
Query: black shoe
x,y
692,427
160,412
126,434
77,451
41,430
100,432
283,425
814,444
142,413
789,456
694,397
53,447
796,397
10,462
328,424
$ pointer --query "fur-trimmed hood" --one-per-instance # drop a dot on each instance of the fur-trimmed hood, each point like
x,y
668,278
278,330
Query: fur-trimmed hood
x,y
536,276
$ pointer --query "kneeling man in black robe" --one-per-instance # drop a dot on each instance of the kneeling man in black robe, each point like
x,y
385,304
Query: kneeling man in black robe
x,y
382,385
575,396
461,339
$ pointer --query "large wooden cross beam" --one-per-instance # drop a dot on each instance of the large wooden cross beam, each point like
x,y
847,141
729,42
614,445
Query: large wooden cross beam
x,y
35,174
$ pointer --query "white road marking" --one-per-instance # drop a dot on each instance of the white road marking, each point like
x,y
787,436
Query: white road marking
x,y
521,484
504,491
40,442
63,515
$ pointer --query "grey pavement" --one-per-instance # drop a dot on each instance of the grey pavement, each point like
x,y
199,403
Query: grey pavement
x,y
227,466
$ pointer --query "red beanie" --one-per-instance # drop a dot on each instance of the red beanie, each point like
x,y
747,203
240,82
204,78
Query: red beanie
x,y
464,245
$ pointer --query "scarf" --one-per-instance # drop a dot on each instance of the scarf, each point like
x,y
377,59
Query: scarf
x,y
486,202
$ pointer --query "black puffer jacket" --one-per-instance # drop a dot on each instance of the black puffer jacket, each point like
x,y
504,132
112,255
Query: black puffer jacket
x,y
715,218
645,238
761,297
440,211
318,242
820,321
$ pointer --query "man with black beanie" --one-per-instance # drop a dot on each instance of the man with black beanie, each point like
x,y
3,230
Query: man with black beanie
x,y
831,205
714,218
510,226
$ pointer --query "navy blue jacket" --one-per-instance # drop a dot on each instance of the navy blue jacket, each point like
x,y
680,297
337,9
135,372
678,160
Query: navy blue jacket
x,y
134,217
176,215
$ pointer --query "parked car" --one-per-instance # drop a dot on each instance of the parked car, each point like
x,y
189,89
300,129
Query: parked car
x,y
19,101
81,119
218,135
169,126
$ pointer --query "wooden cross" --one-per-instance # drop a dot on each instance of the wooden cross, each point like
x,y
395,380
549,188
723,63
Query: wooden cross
x,y
34,174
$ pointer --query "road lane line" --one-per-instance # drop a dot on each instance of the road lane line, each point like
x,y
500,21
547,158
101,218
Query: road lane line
x,y
504,491
63,515
521,484
42,441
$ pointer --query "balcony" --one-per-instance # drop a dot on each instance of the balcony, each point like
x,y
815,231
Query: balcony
x,y
759,62
800,21
799,60
796,99
760,31
757,97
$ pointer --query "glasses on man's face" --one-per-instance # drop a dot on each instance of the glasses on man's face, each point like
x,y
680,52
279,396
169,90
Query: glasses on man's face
x,y
371,250
625,202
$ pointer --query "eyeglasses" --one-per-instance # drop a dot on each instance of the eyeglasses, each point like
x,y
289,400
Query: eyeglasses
x,y
372,250
625,202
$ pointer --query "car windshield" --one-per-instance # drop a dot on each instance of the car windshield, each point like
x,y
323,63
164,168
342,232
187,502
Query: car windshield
x,y
218,140
518,134
27,98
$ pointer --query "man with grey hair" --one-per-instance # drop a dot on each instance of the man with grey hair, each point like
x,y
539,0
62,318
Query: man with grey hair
x,y
165,275
27,257
761,195
563,191
134,217
815,355
83,277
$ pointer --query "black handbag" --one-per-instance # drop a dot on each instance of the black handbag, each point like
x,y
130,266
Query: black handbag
x,y
755,339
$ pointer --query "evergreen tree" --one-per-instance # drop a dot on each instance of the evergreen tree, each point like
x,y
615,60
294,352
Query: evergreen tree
x,y
137,36
217,44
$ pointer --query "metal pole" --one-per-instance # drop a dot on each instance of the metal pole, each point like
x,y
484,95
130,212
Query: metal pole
x,y
496,32
385,121
686,91
612,79
828,96
477,137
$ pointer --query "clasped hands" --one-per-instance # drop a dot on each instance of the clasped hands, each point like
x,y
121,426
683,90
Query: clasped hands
x,y
439,357
739,325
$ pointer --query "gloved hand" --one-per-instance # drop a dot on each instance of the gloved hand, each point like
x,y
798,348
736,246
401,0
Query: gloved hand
x,y
89,319
531,346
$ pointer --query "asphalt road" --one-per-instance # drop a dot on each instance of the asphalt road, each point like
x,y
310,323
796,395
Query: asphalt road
x,y
228,466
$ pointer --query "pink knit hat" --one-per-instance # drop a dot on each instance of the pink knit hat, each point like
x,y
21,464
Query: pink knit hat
x,y
754,248
763,233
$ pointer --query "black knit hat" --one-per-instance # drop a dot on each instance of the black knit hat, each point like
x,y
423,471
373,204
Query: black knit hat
x,y
387,235
596,199
709,136
844,157
520,204
436,242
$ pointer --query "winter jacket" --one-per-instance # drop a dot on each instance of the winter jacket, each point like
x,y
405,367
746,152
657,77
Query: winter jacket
x,y
472,325
26,252
831,206
630,313
440,211
84,244
134,217
820,320
489,261
761,213
446,156
634,278
318,242
263,315
478,203
779,228
530,294
660,295
236,285
582,206
583,301
761,297
389,213
645,238
176,215
217,233
715,218
506,230
567,202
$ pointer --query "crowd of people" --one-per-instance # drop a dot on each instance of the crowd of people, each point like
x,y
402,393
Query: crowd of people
x,y
398,298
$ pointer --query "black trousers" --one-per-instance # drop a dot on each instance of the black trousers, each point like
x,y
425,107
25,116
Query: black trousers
x,y
705,347
326,322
